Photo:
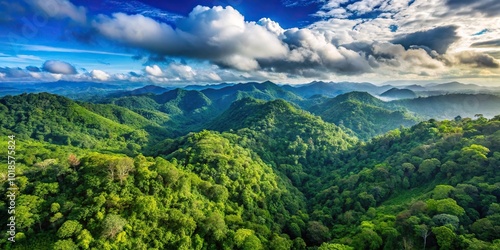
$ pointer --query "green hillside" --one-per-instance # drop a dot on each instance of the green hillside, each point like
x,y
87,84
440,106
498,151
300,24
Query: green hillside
x,y
191,110
205,192
59,120
362,113
436,179
291,140
265,91
257,175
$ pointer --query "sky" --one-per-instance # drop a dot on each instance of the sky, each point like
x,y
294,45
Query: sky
x,y
285,41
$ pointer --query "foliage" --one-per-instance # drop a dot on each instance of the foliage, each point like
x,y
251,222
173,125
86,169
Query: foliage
x,y
273,176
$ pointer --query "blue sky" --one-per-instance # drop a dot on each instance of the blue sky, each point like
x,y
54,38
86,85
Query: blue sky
x,y
287,41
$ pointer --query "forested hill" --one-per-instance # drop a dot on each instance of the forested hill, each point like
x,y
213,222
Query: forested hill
x,y
258,175
185,110
436,184
59,120
363,113
291,140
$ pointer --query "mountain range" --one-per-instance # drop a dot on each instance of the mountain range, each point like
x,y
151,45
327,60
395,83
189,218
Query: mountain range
x,y
254,166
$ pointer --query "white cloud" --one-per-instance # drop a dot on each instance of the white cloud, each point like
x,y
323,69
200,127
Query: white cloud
x,y
99,75
56,77
332,4
364,6
136,30
153,70
218,34
272,26
60,9
398,41
180,71
59,67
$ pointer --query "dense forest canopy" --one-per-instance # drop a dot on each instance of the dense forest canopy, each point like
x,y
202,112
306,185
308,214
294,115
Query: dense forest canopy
x,y
251,167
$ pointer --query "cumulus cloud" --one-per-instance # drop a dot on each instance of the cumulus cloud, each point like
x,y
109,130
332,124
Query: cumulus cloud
x,y
272,26
332,9
60,9
181,72
423,43
153,70
313,53
99,75
59,67
488,7
218,34
438,39
28,74
479,60
364,6
335,46
396,57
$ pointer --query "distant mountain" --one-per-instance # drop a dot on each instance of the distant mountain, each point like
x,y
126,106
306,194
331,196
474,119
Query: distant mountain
x,y
396,93
453,86
149,89
415,88
452,105
458,88
182,101
223,97
208,86
70,89
266,90
333,89
364,114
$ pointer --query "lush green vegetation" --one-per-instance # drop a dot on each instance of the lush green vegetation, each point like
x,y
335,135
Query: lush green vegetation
x,y
435,184
59,120
364,114
263,175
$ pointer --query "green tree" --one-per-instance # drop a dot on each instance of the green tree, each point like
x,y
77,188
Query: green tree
x,y
69,228
444,236
442,192
428,167
317,233
334,246
67,244
112,225
445,206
